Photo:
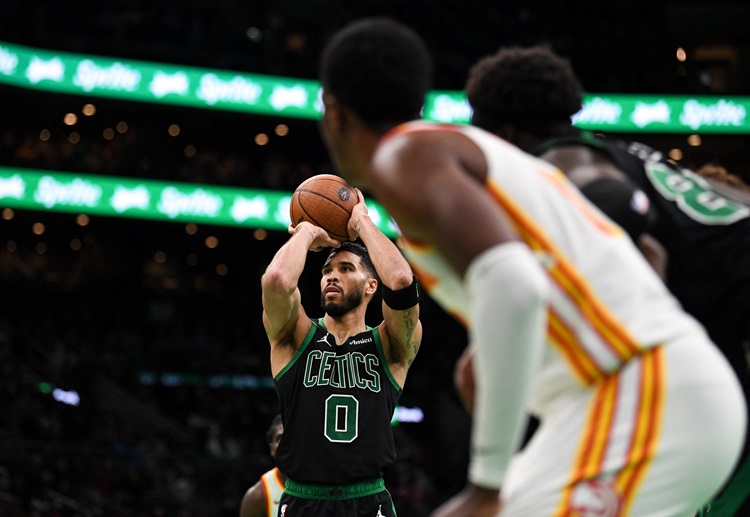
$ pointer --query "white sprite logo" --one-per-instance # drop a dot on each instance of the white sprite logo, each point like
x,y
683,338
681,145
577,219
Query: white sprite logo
x,y
448,109
114,77
723,113
8,61
239,90
282,210
598,111
79,192
645,114
39,70
283,97
12,187
164,84
125,198
243,208
199,202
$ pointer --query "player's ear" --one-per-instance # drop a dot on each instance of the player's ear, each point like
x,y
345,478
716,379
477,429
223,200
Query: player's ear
x,y
372,286
332,112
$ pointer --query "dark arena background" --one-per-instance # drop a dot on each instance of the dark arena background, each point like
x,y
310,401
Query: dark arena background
x,y
134,372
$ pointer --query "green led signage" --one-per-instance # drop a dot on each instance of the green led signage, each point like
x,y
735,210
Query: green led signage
x,y
154,82
219,89
626,113
147,199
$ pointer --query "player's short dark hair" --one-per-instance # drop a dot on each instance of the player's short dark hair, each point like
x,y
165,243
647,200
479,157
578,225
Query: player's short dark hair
x,y
530,88
276,422
359,250
378,68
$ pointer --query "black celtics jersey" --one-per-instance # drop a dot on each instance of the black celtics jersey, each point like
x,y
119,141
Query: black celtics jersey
x,y
706,235
337,402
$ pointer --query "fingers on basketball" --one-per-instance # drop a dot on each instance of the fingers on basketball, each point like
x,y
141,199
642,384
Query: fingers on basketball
x,y
325,200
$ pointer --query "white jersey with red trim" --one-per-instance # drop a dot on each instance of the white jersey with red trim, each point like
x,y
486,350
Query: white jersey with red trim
x,y
273,487
607,304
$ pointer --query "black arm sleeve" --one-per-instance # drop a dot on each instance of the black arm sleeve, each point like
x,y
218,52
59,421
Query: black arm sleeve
x,y
624,203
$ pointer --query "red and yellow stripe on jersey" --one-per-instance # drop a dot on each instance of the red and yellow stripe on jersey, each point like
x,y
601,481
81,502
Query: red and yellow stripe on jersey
x,y
612,333
639,427
273,486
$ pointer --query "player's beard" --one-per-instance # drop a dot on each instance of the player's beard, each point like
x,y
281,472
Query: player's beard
x,y
348,303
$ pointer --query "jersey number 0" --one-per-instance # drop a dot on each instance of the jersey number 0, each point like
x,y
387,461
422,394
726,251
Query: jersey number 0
x,y
342,418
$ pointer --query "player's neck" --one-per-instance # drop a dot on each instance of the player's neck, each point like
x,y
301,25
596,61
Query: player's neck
x,y
348,325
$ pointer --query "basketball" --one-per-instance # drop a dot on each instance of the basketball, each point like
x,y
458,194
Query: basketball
x,y
325,200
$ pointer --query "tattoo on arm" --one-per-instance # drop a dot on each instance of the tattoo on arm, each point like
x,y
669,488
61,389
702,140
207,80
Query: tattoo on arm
x,y
411,346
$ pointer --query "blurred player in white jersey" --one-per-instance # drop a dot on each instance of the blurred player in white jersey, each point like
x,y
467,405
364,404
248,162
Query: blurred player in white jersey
x,y
566,319
262,499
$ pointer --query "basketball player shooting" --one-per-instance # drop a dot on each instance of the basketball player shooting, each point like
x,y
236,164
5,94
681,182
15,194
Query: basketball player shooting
x,y
338,379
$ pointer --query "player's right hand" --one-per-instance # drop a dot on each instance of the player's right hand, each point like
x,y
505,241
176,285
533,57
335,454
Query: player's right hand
x,y
321,240
358,212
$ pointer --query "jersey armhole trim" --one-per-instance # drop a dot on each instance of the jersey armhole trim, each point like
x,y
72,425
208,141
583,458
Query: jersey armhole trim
x,y
301,349
386,365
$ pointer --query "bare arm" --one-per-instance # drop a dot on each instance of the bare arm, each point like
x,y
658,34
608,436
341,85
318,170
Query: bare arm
x,y
284,318
254,502
431,190
434,185
401,329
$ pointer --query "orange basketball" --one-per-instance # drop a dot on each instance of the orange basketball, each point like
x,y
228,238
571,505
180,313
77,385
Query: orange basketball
x,y
325,200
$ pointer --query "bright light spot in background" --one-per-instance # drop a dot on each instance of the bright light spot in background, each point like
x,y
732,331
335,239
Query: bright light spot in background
x,y
254,34
222,270
261,139
38,228
70,398
260,234
122,127
88,109
44,135
675,154
211,242
82,220
173,130
681,54
70,119
8,214
108,133
694,140
282,130
191,229
407,415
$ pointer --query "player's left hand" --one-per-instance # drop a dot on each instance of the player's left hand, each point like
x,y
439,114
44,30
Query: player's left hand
x,y
321,239
472,501
358,212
